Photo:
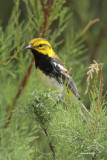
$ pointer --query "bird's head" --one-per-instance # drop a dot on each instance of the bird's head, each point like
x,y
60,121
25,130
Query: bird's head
x,y
42,46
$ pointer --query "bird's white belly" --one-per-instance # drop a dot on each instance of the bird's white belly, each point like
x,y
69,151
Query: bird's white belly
x,y
50,82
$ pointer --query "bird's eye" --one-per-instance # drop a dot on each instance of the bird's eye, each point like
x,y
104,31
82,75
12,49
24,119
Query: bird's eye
x,y
40,45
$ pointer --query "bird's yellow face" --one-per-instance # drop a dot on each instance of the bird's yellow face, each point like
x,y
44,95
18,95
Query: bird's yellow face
x,y
42,46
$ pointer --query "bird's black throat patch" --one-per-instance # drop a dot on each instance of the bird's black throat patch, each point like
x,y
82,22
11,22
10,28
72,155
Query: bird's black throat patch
x,y
44,63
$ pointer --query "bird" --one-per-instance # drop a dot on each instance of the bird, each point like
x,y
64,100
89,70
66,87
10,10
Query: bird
x,y
52,71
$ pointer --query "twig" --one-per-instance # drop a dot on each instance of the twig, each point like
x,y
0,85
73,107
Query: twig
x,y
23,84
90,23
8,120
101,87
92,69
47,11
50,143
95,82
15,54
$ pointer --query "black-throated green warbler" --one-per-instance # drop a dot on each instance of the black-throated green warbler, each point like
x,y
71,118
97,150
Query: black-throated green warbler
x,y
51,69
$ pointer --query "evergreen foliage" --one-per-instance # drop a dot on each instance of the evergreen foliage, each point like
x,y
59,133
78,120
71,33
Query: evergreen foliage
x,y
32,124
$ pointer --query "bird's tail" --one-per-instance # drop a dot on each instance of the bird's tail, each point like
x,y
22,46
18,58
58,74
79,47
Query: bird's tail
x,y
86,114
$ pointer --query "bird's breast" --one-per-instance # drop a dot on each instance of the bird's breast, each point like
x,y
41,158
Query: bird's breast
x,y
49,81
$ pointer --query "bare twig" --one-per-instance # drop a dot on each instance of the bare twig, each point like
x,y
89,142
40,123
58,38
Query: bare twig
x,y
47,11
23,84
50,143
90,23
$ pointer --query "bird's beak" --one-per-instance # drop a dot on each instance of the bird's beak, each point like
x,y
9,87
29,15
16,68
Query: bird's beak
x,y
29,47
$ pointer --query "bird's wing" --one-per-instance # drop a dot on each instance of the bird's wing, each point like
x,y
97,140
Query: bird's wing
x,y
65,77
63,74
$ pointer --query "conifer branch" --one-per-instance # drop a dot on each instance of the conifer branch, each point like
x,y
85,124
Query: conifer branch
x,y
21,88
12,57
39,115
28,73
